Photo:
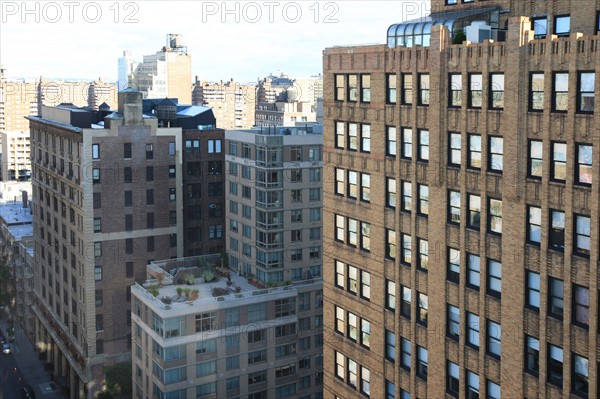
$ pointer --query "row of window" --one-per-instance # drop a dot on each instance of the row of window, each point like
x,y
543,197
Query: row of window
x,y
273,156
353,327
405,359
128,174
193,146
580,300
556,230
347,231
580,368
355,375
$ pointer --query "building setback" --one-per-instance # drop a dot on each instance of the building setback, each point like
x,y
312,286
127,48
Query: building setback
x,y
477,240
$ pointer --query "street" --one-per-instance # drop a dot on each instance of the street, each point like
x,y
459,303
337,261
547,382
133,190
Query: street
x,y
10,377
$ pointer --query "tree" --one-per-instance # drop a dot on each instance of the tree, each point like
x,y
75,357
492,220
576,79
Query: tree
x,y
118,378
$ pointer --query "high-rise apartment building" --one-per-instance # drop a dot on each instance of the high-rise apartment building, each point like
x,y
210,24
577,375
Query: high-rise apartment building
x,y
16,163
461,205
126,66
167,73
285,113
107,192
233,104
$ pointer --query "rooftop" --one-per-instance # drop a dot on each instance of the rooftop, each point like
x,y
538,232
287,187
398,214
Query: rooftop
x,y
13,213
307,128
199,281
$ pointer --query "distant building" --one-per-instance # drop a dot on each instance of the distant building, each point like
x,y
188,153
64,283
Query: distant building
x,y
284,113
16,245
271,88
233,104
126,66
167,73
16,162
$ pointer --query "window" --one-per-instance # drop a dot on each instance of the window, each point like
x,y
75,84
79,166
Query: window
x,y
494,278
494,334
390,345
540,27
424,145
533,290
532,356
365,236
407,143
405,302
581,306
423,254
352,136
206,321
352,373
556,236
497,91
452,385
453,265
454,149
98,273
556,298
559,161
352,93
391,141
406,196
339,87
495,216
584,164
562,25
340,186
455,90
560,92
296,196
537,92
390,295
423,89
423,309
95,175
340,323
352,279
475,90
214,146
390,248
97,225
555,365
453,323
474,158
423,200
581,374
454,205
352,184
149,151
473,272
340,363
472,385
127,150
585,92
340,228
421,362
339,134
472,330
582,235
534,225
365,187
496,151
407,88
365,88
365,333
474,211
390,188
534,167
391,89
95,151
149,173
405,356
172,194
406,249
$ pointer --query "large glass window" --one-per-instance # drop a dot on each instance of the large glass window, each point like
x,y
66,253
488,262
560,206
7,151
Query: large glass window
x,y
496,157
584,164
556,297
582,235
533,290
391,88
352,94
407,143
560,92
495,216
559,161
475,90
453,265
534,168
555,365
536,92
534,225
494,278
474,158
474,271
423,200
472,330
424,145
562,25
581,306
494,334
474,211
585,92
532,359
365,88
472,385
454,149
454,207
452,385
497,91
423,89
455,90
390,188
540,27
453,322
407,88
580,375
556,237
391,141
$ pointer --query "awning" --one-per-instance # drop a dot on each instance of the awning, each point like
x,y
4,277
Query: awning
x,y
418,31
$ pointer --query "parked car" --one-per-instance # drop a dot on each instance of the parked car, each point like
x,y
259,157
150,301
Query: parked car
x,y
6,349
26,392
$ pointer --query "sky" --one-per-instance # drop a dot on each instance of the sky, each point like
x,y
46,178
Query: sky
x,y
243,40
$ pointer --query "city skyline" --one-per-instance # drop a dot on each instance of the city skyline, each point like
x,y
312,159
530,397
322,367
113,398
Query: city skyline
x,y
269,37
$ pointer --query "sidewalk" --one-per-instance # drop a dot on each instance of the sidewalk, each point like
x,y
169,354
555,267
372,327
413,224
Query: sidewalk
x,y
31,367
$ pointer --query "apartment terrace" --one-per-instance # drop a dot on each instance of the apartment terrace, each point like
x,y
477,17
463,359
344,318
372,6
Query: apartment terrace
x,y
201,281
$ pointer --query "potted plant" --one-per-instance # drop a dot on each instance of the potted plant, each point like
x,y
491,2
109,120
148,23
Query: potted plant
x,y
179,291
189,279
194,294
186,291
160,277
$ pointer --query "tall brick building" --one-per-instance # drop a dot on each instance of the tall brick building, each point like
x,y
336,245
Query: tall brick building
x,y
474,256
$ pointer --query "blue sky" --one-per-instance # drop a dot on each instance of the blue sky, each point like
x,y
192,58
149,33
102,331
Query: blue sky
x,y
84,39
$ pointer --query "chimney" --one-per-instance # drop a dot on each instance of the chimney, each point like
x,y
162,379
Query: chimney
x,y
130,106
